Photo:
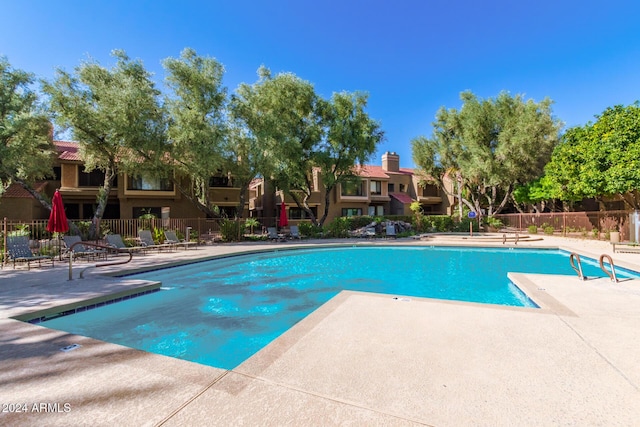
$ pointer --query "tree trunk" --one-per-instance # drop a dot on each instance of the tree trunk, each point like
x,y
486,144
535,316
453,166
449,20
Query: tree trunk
x,y
194,200
102,199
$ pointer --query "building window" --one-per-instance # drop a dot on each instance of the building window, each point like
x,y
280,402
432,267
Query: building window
x,y
375,188
351,211
402,188
147,183
297,213
95,178
57,173
219,181
376,210
392,187
353,188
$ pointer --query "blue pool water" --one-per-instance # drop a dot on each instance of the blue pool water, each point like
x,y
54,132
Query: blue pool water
x,y
221,312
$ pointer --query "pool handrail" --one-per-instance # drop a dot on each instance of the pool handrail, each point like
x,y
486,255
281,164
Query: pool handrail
x,y
611,275
572,257
103,264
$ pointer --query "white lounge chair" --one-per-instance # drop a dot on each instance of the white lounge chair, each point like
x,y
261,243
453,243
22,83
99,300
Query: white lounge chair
x,y
19,251
294,232
81,251
116,242
172,238
146,241
274,235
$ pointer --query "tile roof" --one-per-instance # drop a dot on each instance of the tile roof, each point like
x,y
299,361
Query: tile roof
x,y
371,171
17,191
68,150
402,197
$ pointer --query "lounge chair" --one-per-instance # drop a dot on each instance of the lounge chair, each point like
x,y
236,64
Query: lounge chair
x,y
115,241
369,232
19,251
273,234
80,250
391,231
146,241
172,238
294,232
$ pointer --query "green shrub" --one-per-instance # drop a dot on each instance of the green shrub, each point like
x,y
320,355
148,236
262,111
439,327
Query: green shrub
x,y
229,230
307,229
464,224
251,223
338,228
532,229
442,223
158,235
548,230
493,222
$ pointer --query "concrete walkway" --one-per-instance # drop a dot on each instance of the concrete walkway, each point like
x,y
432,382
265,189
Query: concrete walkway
x,y
360,359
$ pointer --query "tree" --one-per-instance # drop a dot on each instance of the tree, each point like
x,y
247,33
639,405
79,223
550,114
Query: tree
x,y
26,147
351,138
284,115
116,117
301,135
197,127
600,159
491,145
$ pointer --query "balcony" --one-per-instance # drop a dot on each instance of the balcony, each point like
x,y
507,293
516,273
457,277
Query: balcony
x,y
430,200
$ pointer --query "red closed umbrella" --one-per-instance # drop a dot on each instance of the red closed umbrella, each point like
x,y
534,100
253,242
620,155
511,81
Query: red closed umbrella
x,y
284,221
58,219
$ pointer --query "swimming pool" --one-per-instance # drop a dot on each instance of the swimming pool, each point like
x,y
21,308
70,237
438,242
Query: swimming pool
x,y
221,312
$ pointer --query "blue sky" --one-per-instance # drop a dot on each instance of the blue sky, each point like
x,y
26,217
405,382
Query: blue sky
x,y
411,56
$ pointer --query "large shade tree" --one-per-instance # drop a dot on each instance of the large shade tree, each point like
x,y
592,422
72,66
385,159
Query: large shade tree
x,y
198,128
488,147
351,138
116,117
26,147
600,159
284,115
303,136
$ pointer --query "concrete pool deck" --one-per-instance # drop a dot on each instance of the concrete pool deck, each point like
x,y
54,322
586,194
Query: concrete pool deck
x,y
360,359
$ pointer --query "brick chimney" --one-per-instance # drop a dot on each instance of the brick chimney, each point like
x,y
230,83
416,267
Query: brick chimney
x,y
391,162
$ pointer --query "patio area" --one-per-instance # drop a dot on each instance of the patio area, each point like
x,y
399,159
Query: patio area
x,y
361,358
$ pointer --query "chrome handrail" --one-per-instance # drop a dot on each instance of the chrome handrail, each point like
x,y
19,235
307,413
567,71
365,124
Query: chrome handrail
x,y
611,275
572,257
104,264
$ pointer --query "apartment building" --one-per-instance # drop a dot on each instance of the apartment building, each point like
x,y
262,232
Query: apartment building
x,y
379,190
130,197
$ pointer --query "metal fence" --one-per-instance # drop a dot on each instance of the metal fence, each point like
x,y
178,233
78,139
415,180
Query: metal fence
x,y
585,224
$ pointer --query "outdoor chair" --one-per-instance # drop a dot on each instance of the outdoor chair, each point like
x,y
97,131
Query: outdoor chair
x,y
82,251
146,241
116,242
273,234
294,232
172,238
391,231
19,251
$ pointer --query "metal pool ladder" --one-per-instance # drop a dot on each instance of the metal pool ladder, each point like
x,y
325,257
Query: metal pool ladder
x,y
573,259
611,275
